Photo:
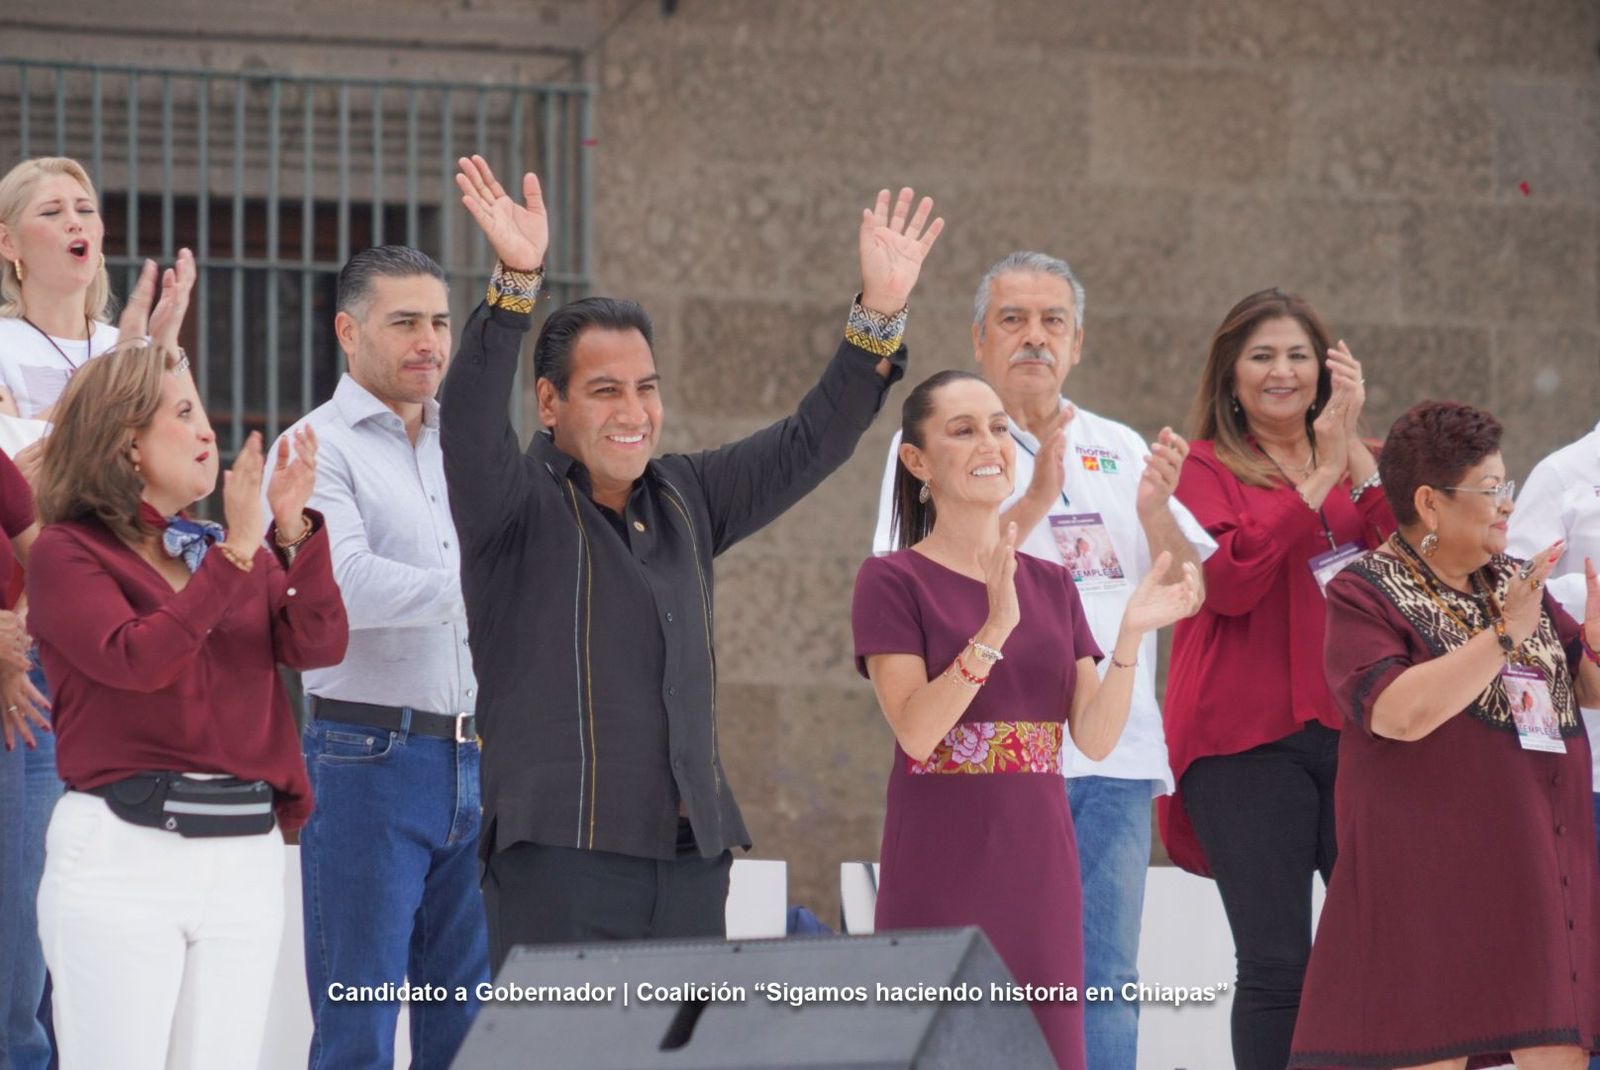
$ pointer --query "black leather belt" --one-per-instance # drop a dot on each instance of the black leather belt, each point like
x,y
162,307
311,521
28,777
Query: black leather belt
x,y
461,727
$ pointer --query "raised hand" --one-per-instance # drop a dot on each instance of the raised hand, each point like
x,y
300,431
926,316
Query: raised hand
x,y
1331,430
1154,604
241,499
292,482
134,323
520,234
1591,605
892,251
177,282
1161,471
1345,371
1000,575
1050,464
1525,593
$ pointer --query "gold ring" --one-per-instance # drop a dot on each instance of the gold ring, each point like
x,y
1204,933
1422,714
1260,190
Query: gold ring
x,y
1533,584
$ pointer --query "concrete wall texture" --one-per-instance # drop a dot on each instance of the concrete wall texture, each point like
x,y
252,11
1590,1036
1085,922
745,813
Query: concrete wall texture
x,y
1179,153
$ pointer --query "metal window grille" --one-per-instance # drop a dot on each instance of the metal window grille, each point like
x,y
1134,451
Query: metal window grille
x,y
275,179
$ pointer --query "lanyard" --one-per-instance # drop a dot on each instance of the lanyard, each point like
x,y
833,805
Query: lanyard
x,y
1322,512
1034,454
88,343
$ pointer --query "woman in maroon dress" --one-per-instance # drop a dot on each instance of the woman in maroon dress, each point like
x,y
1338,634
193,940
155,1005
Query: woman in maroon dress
x,y
933,622
1462,924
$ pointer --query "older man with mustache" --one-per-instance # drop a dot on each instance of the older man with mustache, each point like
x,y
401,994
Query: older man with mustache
x,y
1083,480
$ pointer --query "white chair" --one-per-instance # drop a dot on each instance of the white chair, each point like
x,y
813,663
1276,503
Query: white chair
x,y
858,896
758,899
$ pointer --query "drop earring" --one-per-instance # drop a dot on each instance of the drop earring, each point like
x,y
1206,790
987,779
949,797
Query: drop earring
x,y
16,265
1429,544
926,492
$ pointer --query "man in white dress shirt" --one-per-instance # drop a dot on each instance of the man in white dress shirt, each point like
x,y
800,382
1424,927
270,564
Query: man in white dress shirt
x,y
1090,495
389,868
1562,501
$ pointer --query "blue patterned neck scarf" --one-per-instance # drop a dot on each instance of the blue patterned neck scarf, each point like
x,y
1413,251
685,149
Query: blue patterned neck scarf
x,y
184,538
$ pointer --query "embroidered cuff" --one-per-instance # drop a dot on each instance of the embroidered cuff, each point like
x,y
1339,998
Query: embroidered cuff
x,y
514,291
873,331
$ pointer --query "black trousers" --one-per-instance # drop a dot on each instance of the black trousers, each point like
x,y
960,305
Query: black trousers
x,y
535,894
1265,820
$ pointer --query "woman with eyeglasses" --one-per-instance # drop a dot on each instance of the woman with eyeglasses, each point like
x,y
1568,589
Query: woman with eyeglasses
x,y
1280,478
1462,925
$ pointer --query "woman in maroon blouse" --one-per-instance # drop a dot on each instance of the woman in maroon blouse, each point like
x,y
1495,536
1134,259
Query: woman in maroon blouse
x,y
1462,925
1280,478
161,907
978,655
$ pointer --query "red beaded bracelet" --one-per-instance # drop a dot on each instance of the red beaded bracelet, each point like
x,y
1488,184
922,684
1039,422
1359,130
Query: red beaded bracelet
x,y
967,677
1588,651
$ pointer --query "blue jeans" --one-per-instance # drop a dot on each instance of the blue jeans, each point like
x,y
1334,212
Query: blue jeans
x,y
389,872
29,788
1111,818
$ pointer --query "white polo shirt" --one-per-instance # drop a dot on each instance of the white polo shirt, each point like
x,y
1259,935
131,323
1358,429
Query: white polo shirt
x,y
1561,500
1104,463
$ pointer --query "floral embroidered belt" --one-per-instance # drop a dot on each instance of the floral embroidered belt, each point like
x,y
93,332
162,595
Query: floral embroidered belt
x,y
995,747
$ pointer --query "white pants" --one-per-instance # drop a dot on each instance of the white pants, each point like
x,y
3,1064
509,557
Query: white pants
x,y
161,949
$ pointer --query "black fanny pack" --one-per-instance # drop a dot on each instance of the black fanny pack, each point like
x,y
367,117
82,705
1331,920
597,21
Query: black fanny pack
x,y
191,806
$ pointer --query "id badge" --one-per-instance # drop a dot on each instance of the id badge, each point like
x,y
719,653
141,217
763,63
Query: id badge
x,y
1532,709
1087,551
1326,566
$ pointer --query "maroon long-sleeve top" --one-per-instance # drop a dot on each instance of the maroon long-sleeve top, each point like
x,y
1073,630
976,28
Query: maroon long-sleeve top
x,y
1247,669
145,678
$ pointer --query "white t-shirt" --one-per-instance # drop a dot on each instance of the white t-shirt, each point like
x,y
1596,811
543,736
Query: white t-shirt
x,y
1105,461
34,370
1561,500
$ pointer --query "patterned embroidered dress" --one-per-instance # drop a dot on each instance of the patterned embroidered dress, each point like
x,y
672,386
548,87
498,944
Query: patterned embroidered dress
x,y
980,834
1463,917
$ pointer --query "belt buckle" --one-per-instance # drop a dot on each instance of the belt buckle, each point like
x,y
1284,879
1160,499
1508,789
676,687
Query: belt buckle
x,y
460,723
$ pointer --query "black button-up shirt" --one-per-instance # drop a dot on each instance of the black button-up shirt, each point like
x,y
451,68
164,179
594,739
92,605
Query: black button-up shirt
x,y
593,651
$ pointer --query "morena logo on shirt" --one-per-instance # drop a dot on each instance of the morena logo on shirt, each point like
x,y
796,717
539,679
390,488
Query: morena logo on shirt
x,y
1098,459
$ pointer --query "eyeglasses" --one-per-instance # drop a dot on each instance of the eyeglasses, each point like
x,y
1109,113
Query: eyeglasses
x,y
1502,493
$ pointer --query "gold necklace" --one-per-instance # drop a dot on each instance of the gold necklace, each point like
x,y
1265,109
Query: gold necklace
x,y
1430,583
1303,470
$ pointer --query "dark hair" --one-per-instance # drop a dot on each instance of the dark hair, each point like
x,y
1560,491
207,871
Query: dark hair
x,y
912,518
381,261
1213,415
1432,445
552,353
